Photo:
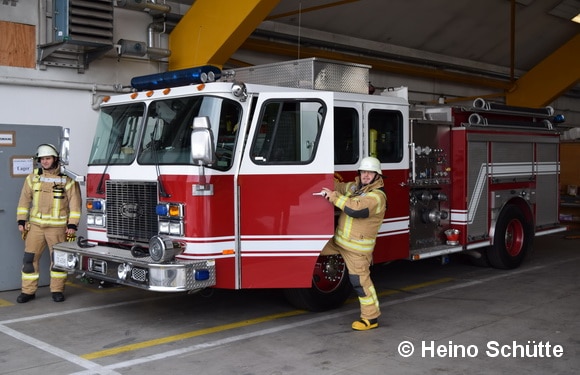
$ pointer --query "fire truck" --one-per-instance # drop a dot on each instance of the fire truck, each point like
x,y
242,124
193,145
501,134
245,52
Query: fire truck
x,y
203,178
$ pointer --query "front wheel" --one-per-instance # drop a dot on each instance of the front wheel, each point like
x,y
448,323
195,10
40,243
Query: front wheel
x,y
512,240
330,286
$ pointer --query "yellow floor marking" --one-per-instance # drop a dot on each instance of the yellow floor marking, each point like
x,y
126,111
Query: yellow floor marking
x,y
409,288
244,323
187,335
426,284
4,303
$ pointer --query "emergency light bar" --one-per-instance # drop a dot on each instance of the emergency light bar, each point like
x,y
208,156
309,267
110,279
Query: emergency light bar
x,y
189,76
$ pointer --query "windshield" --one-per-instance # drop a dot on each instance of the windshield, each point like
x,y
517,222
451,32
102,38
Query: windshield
x,y
117,133
166,136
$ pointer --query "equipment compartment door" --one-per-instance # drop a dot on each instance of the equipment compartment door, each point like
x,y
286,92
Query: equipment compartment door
x,y
288,159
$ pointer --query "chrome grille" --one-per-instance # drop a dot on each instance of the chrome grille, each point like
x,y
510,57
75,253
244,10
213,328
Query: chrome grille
x,y
131,210
139,274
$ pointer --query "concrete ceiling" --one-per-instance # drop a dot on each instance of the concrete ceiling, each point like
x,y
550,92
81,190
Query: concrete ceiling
x,y
481,37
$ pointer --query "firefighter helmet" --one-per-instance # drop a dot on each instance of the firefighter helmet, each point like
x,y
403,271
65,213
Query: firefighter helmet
x,y
370,164
46,149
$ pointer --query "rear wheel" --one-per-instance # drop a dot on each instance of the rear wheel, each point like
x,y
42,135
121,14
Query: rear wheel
x,y
330,286
512,239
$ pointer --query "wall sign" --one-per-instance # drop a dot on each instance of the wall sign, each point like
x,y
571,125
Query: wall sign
x,y
21,166
7,138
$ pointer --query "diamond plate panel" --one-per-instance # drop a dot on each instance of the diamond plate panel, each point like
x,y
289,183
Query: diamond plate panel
x,y
313,73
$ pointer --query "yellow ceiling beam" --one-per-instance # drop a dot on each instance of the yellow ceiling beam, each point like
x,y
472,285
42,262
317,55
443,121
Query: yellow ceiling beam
x,y
552,77
282,49
212,30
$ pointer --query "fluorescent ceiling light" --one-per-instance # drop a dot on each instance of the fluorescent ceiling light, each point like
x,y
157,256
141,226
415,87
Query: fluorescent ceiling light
x,y
576,19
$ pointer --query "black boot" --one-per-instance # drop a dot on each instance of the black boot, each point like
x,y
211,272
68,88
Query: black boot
x,y
23,297
57,297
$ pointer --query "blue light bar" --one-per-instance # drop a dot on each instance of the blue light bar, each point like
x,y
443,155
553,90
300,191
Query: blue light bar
x,y
174,78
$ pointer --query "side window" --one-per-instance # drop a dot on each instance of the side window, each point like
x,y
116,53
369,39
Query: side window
x,y
346,135
288,132
229,122
386,135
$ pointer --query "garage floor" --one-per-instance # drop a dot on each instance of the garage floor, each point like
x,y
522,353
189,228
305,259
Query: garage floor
x,y
458,318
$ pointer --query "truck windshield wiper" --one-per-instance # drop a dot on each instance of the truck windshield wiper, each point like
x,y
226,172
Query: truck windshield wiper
x,y
154,149
116,146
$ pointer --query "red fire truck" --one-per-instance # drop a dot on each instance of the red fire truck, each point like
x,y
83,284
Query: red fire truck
x,y
207,179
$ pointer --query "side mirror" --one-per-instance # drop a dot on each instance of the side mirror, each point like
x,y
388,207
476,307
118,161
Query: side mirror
x,y
65,156
202,144
65,146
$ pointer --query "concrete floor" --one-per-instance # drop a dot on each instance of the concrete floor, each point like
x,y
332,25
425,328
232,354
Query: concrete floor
x,y
458,317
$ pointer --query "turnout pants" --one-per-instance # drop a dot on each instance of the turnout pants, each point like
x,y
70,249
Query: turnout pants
x,y
358,264
36,242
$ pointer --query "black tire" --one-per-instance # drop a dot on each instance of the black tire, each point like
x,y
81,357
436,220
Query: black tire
x,y
330,286
512,240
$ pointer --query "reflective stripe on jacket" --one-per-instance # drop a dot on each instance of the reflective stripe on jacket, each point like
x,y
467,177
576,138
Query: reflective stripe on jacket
x,y
362,213
49,199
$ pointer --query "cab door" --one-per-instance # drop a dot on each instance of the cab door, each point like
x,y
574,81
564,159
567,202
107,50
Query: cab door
x,y
283,221
387,139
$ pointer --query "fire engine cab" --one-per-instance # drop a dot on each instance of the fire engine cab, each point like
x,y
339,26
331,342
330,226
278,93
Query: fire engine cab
x,y
203,178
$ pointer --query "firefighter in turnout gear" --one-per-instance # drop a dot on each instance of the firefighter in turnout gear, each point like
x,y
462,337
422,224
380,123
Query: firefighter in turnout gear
x,y
363,204
48,212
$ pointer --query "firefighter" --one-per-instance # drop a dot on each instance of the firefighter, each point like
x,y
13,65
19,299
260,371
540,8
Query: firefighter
x,y
48,212
363,204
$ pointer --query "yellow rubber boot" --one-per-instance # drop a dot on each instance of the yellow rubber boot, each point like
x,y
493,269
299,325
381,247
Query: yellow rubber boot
x,y
365,324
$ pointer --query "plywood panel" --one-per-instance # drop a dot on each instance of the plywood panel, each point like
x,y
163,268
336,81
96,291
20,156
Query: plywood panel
x,y
17,45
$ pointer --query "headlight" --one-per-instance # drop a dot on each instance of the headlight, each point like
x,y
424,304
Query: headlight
x,y
164,227
100,220
176,228
124,270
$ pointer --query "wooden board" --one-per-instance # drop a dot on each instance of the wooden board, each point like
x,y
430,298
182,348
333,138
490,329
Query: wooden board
x,y
17,45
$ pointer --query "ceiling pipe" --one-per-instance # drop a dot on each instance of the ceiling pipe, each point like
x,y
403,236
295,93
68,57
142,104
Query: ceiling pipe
x,y
143,5
285,49
155,28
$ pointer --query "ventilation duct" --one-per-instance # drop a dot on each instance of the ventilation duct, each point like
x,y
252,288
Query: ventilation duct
x,y
83,21
82,31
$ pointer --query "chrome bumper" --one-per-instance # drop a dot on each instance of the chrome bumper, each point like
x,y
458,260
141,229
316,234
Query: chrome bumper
x,y
119,266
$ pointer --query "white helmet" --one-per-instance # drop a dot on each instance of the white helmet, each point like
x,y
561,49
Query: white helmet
x,y
46,149
370,164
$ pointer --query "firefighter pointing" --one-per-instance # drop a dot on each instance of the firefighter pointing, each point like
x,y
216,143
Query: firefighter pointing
x,y
363,204
48,212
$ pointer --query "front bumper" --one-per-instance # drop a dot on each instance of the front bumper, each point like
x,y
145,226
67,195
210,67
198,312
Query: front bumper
x,y
119,266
